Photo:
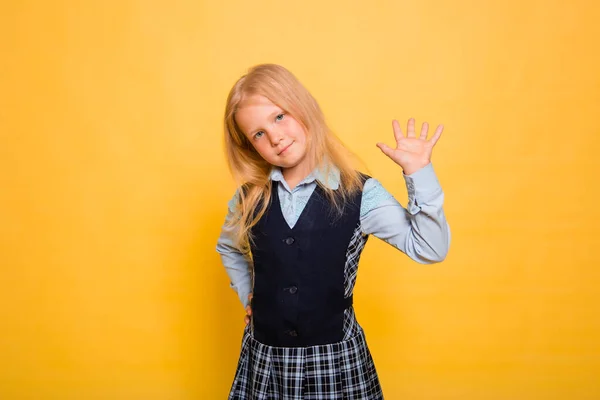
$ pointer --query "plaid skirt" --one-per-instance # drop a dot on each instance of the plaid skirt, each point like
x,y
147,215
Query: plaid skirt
x,y
336,371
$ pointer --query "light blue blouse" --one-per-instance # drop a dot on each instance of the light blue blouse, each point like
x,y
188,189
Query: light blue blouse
x,y
420,230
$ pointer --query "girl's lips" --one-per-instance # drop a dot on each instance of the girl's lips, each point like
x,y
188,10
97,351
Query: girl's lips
x,y
285,148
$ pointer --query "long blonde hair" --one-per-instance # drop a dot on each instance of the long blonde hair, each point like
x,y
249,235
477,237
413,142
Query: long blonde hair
x,y
250,170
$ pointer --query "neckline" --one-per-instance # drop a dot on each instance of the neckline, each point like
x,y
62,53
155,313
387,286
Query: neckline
x,y
279,212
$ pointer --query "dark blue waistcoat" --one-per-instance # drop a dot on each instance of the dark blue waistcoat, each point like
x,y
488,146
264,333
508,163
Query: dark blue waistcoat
x,y
298,296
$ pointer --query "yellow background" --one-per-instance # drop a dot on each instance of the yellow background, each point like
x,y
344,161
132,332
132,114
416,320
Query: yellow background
x,y
114,187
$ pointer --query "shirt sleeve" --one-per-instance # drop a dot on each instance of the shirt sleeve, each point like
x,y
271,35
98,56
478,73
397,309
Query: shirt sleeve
x,y
420,230
235,263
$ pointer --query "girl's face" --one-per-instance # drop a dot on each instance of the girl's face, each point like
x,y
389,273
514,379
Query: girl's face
x,y
277,136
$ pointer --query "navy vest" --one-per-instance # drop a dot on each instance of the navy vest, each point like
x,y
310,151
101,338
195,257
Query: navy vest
x,y
298,296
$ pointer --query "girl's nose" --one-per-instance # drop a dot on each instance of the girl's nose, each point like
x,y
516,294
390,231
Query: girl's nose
x,y
275,137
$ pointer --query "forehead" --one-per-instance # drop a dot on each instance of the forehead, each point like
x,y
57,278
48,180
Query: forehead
x,y
254,111
255,103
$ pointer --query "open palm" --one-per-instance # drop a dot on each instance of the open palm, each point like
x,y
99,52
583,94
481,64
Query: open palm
x,y
411,153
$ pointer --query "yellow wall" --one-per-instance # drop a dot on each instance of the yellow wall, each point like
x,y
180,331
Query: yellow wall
x,y
114,186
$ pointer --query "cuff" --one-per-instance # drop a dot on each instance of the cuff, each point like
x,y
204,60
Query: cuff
x,y
422,186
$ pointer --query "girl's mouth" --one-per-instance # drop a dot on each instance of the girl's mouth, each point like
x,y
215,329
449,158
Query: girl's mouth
x,y
285,148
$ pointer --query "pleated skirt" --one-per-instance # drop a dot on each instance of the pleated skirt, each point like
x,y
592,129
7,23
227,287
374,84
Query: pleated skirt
x,y
336,371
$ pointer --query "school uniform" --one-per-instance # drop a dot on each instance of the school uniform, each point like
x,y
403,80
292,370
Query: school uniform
x,y
304,341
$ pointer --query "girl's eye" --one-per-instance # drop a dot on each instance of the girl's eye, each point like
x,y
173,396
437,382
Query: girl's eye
x,y
258,134
279,117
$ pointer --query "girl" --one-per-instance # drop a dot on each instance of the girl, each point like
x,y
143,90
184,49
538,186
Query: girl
x,y
295,231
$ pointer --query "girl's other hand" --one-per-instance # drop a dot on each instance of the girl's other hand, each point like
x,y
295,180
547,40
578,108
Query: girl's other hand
x,y
248,310
411,153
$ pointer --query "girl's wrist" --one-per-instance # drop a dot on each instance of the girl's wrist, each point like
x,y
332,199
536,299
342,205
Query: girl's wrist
x,y
411,169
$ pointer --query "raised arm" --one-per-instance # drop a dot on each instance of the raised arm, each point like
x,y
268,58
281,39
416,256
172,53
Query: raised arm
x,y
420,230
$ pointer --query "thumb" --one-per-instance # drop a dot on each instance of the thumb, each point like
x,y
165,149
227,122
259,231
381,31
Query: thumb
x,y
387,150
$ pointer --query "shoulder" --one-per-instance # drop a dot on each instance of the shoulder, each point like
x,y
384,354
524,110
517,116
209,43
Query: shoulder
x,y
237,196
373,195
373,188
234,201
243,191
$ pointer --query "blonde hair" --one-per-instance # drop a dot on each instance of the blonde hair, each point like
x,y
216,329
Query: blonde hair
x,y
250,170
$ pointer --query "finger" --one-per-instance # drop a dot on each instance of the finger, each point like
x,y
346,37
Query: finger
x,y
248,310
250,296
410,130
385,149
398,135
246,320
436,135
424,130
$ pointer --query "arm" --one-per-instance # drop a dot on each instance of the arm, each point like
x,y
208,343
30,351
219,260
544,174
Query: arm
x,y
420,230
236,264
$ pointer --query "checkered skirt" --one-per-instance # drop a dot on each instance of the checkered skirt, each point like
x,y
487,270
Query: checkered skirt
x,y
336,371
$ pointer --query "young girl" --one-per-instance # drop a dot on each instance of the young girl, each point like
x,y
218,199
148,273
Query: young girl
x,y
295,231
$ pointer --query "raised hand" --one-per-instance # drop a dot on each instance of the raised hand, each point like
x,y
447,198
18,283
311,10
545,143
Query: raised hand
x,y
411,153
